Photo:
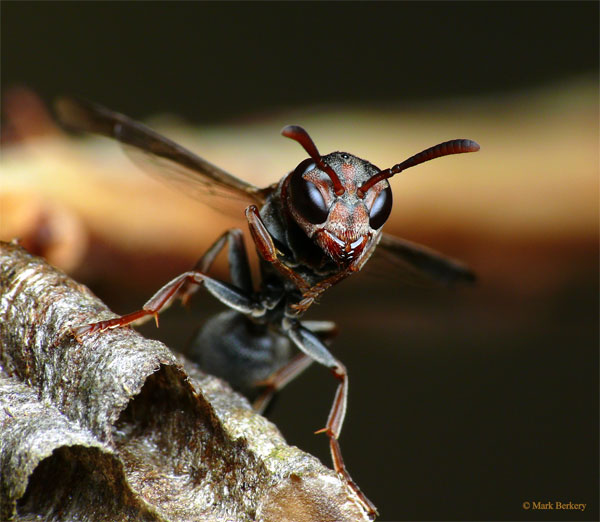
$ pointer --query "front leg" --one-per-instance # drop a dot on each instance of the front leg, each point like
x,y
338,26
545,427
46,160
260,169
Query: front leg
x,y
238,296
310,295
267,250
313,347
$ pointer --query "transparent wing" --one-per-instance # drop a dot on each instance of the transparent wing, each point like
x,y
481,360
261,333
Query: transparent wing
x,y
418,265
224,198
161,157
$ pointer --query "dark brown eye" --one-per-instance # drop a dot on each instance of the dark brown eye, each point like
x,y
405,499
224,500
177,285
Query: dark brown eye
x,y
380,211
306,197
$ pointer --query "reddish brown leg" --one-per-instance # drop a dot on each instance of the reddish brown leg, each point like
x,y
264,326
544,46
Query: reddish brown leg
x,y
279,379
325,330
311,345
238,263
266,248
238,296
159,302
333,429
310,295
228,294
338,463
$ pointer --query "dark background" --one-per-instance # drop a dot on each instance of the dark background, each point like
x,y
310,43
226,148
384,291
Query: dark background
x,y
463,404
212,62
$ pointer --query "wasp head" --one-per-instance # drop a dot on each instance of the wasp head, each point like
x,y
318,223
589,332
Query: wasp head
x,y
323,196
341,201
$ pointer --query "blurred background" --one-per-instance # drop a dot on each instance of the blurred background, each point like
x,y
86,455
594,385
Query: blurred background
x,y
464,403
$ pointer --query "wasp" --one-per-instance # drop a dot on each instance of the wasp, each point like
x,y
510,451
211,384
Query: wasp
x,y
317,226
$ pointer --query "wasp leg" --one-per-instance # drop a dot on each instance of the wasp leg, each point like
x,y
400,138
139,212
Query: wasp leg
x,y
279,379
239,266
267,250
325,330
238,296
312,346
310,295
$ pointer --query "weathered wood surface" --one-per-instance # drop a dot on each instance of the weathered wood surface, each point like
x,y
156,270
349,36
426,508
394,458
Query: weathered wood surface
x,y
116,427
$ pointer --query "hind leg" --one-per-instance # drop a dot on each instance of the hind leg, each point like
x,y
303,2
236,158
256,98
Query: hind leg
x,y
325,330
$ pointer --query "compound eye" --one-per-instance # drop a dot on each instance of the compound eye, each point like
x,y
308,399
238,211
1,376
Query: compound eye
x,y
306,197
380,211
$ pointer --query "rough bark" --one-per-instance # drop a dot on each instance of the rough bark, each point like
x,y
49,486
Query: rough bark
x,y
116,427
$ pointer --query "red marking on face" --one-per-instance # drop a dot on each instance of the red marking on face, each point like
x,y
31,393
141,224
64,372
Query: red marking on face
x,y
340,250
348,221
349,173
345,234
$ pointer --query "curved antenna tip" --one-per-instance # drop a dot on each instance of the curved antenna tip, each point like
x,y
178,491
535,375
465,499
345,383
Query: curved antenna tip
x,y
291,131
472,146
297,133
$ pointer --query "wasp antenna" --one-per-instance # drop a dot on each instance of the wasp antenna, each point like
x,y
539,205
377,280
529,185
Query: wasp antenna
x,y
297,133
443,149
